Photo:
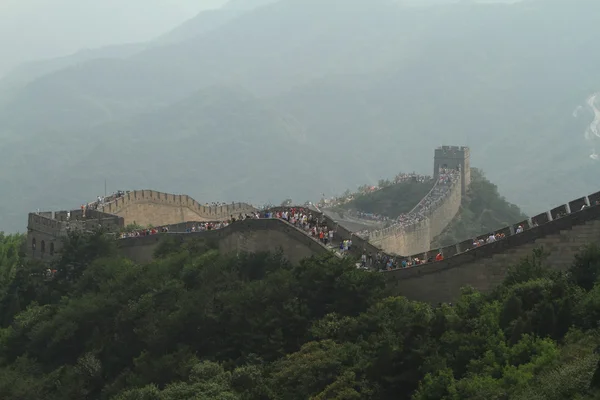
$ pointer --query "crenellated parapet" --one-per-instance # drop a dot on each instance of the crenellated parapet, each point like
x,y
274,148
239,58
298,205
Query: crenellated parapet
x,y
45,230
146,207
416,230
143,207
561,232
456,158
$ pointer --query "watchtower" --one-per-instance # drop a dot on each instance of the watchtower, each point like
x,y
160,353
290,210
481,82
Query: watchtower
x,y
454,157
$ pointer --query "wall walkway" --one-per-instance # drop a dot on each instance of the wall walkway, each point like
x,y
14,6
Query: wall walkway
x,y
416,238
251,235
561,233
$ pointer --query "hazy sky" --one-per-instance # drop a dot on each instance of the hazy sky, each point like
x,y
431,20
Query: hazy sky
x,y
34,29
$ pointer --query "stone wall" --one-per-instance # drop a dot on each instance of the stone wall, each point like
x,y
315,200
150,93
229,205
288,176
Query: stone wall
x,y
46,230
417,238
454,157
252,235
146,207
43,236
559,234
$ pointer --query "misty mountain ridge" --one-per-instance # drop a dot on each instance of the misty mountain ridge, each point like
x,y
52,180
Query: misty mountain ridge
x,y
347,90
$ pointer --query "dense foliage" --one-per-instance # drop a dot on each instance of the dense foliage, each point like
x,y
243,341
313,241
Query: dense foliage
x,y
482,210
195,324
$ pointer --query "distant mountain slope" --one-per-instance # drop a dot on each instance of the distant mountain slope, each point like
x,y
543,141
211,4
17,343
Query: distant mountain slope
x,y
219,144
202,23
510,97
15,81
372,85
240,53
247,4
32,70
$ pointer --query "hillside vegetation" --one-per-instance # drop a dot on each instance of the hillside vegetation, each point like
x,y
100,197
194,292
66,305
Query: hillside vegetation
x,y
359,88
482,210
392,200
195,324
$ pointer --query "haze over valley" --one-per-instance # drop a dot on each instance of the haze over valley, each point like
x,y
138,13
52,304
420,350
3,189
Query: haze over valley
x,y
299,199
262,101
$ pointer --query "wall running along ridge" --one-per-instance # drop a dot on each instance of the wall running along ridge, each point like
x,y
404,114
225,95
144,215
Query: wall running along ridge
x,y
146,207
149,207
561,232
250,236
417,238
559,236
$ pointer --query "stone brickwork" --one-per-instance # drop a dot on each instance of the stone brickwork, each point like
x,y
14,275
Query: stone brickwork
x,y
149,207
561,232
561,236
454,157
46,230
417,238
146,207
251,235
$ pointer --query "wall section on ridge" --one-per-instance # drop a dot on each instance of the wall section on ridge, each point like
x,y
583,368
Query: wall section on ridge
x,y
252,235
146,207
417,238
46,230
486,267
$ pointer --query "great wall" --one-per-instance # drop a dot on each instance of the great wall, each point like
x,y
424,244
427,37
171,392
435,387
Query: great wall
x,y
562,232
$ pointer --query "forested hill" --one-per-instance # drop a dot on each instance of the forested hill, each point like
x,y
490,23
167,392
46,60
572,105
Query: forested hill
x,y
482,210
390,200
195,324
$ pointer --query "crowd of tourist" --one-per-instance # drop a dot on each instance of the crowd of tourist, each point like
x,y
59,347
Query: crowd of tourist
x,y
493,237
314,224
385,262
366,189
402,177
446,178
368,216
102,201
302,218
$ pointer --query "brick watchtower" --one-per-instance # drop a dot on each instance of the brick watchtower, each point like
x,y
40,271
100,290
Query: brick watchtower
x,y
454,157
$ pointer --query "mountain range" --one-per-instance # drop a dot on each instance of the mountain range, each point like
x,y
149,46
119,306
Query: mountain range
x,y
301,97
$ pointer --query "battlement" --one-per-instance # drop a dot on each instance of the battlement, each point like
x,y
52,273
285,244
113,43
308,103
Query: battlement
x,y
561,231
431,215
45,230
454,157
452,149
146,207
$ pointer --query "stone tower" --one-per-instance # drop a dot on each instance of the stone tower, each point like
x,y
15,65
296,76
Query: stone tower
x,y
454,157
